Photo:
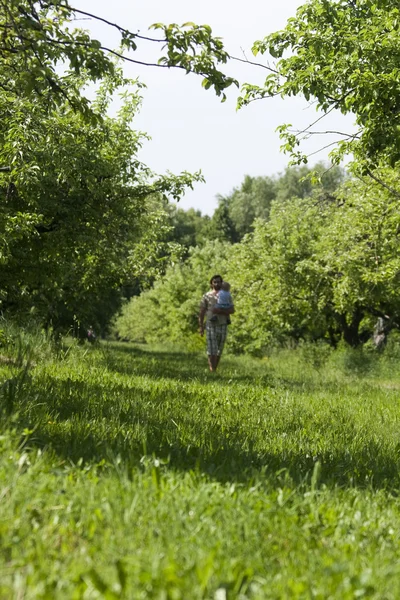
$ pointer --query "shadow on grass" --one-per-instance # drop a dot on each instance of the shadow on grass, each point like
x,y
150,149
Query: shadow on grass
x,y
82,420
192,366
161,365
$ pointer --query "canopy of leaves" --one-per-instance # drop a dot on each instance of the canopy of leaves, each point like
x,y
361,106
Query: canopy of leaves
x,y
323,266
189,227
40,48
252,200
319,269
343,54
80,214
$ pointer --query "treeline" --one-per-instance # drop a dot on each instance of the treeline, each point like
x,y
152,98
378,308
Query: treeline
x,y
322,263
81,219
84,224
236,213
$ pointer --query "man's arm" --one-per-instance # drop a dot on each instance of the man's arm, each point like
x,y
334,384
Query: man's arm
x,y
223,311
201,319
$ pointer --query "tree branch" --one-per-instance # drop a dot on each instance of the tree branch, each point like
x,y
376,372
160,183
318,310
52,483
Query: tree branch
x,y
328,131
249,62
323,148
115,25
383,184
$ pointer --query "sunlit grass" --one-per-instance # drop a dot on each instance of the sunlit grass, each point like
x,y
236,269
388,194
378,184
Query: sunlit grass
x,y
133,472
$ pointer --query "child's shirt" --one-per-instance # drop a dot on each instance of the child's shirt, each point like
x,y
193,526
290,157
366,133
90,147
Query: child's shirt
x,y
224,298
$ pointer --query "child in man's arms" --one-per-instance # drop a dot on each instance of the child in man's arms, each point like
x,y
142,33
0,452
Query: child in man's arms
x,y
224,300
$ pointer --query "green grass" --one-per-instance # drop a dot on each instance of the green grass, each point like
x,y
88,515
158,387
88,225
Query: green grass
x,y
133,472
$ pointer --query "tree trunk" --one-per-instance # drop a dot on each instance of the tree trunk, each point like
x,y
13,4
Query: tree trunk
x,y
381,331
350,330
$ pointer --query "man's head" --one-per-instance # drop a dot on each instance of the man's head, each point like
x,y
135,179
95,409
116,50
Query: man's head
x,y
225,286
216,282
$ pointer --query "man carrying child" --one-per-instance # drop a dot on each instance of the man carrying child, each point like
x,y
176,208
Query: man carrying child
x,y
216,305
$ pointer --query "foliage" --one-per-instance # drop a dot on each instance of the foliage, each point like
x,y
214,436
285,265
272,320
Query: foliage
x,y
38,38
250,201
130,472
320,180
319,268
80,214
343,55
274,301
169,310
276,284
193,48
361,247
253,199
222,226
82,218
236,212
188,228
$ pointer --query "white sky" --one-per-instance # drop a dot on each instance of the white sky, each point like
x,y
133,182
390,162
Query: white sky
x,y
189,126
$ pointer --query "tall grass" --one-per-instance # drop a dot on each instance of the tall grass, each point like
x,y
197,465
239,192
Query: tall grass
x,y
132,472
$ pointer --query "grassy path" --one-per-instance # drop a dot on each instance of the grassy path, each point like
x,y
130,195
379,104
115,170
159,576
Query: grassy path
x,y
131,472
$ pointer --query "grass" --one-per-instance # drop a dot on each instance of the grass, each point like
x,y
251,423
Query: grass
x,y
133,472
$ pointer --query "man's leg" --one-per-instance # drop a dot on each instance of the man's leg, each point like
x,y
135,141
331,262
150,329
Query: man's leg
x,y
220,335
212,347
213,360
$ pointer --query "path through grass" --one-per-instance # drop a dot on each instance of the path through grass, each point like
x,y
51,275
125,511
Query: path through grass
x,y
132,472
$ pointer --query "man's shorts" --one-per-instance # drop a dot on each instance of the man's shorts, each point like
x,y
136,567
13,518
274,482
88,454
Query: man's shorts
x,y
216,336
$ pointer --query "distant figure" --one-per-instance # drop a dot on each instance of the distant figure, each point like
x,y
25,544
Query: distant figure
x,y
91,336
215,329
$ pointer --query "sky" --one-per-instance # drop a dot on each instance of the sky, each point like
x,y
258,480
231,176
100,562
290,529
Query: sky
x,y
190,128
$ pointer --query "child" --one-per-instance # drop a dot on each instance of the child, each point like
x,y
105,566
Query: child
x,y
224,300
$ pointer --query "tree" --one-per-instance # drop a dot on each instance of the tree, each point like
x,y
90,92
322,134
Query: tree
x,y
319,268
37,39
188,227
343,55
361,248
221,226
303,181
80,215
253,199
280,288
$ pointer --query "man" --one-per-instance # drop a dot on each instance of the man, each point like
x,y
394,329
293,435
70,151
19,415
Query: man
x,y
215,330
